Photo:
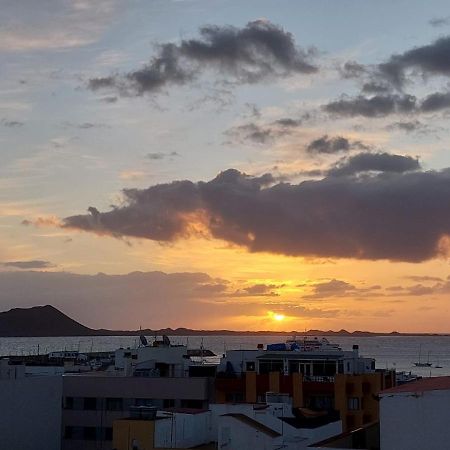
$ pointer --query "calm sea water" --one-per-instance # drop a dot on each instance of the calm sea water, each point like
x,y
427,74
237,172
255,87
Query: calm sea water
x,y
390,352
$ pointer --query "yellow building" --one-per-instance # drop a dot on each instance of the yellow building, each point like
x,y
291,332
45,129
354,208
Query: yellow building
x,y
145,431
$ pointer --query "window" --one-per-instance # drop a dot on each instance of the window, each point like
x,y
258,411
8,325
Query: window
x,y
73,433
114,404
353,403
266,366
90,433
90,403
366,388
349,388
195,404
68,403
168,403
250,366
108,434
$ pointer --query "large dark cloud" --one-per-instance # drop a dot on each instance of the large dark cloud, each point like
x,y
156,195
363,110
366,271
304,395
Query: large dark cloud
x,y
259,51
332,145
431,59
436,102
374,162
395,216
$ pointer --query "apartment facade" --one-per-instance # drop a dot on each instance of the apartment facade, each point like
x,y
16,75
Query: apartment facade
x,y
318,380
91,403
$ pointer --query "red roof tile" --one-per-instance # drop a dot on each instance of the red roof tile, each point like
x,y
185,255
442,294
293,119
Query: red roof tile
x,y
422,385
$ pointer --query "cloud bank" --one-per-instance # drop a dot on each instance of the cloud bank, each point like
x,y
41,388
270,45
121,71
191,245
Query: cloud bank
x,y
394,214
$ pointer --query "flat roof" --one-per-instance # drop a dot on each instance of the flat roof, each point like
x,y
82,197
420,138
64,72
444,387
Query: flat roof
x,y
422,385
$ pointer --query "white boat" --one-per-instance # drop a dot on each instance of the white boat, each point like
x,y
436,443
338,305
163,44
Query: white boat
x,y
312,345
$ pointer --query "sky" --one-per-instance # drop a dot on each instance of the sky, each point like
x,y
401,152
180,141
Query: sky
x,y
218,164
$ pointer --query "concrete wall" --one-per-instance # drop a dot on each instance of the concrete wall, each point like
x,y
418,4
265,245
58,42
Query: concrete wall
x,y
419,421
135,387
364,388
30,413
127,388
183,430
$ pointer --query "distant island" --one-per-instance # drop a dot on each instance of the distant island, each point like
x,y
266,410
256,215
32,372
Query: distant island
x,y
47,321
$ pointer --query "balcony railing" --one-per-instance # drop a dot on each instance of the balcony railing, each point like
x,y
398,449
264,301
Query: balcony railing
x,y
319,379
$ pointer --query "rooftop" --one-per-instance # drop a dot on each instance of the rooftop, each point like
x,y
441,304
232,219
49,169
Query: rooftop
x,y
422,385
254,424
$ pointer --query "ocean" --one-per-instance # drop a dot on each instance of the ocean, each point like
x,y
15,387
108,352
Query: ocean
x,y
399,352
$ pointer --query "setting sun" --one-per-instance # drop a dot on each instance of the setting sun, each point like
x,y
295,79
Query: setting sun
x,y
276,316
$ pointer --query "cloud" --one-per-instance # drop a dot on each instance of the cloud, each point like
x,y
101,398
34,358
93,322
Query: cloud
x,y
55,24
352,69
394,216
332,288
157,156
303,311
408,126
376,106
436,102
109,99
423,278
385,105
336,144
12,123
258,290
374,87
84,125
439,21
428,60
153,299
259,51
266,133
377,162
34,264
251,132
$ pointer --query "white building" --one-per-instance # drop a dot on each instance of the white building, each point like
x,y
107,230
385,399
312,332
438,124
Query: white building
x,y
416,416
314,361
267,426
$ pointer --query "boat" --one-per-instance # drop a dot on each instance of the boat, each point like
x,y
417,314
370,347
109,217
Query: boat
x,y
438,365
420,363
305,345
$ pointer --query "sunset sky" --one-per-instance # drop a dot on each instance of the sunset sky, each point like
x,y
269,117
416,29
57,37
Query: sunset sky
x,y
212,164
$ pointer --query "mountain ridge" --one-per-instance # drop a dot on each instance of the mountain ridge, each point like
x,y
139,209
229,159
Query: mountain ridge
x,y
48,321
